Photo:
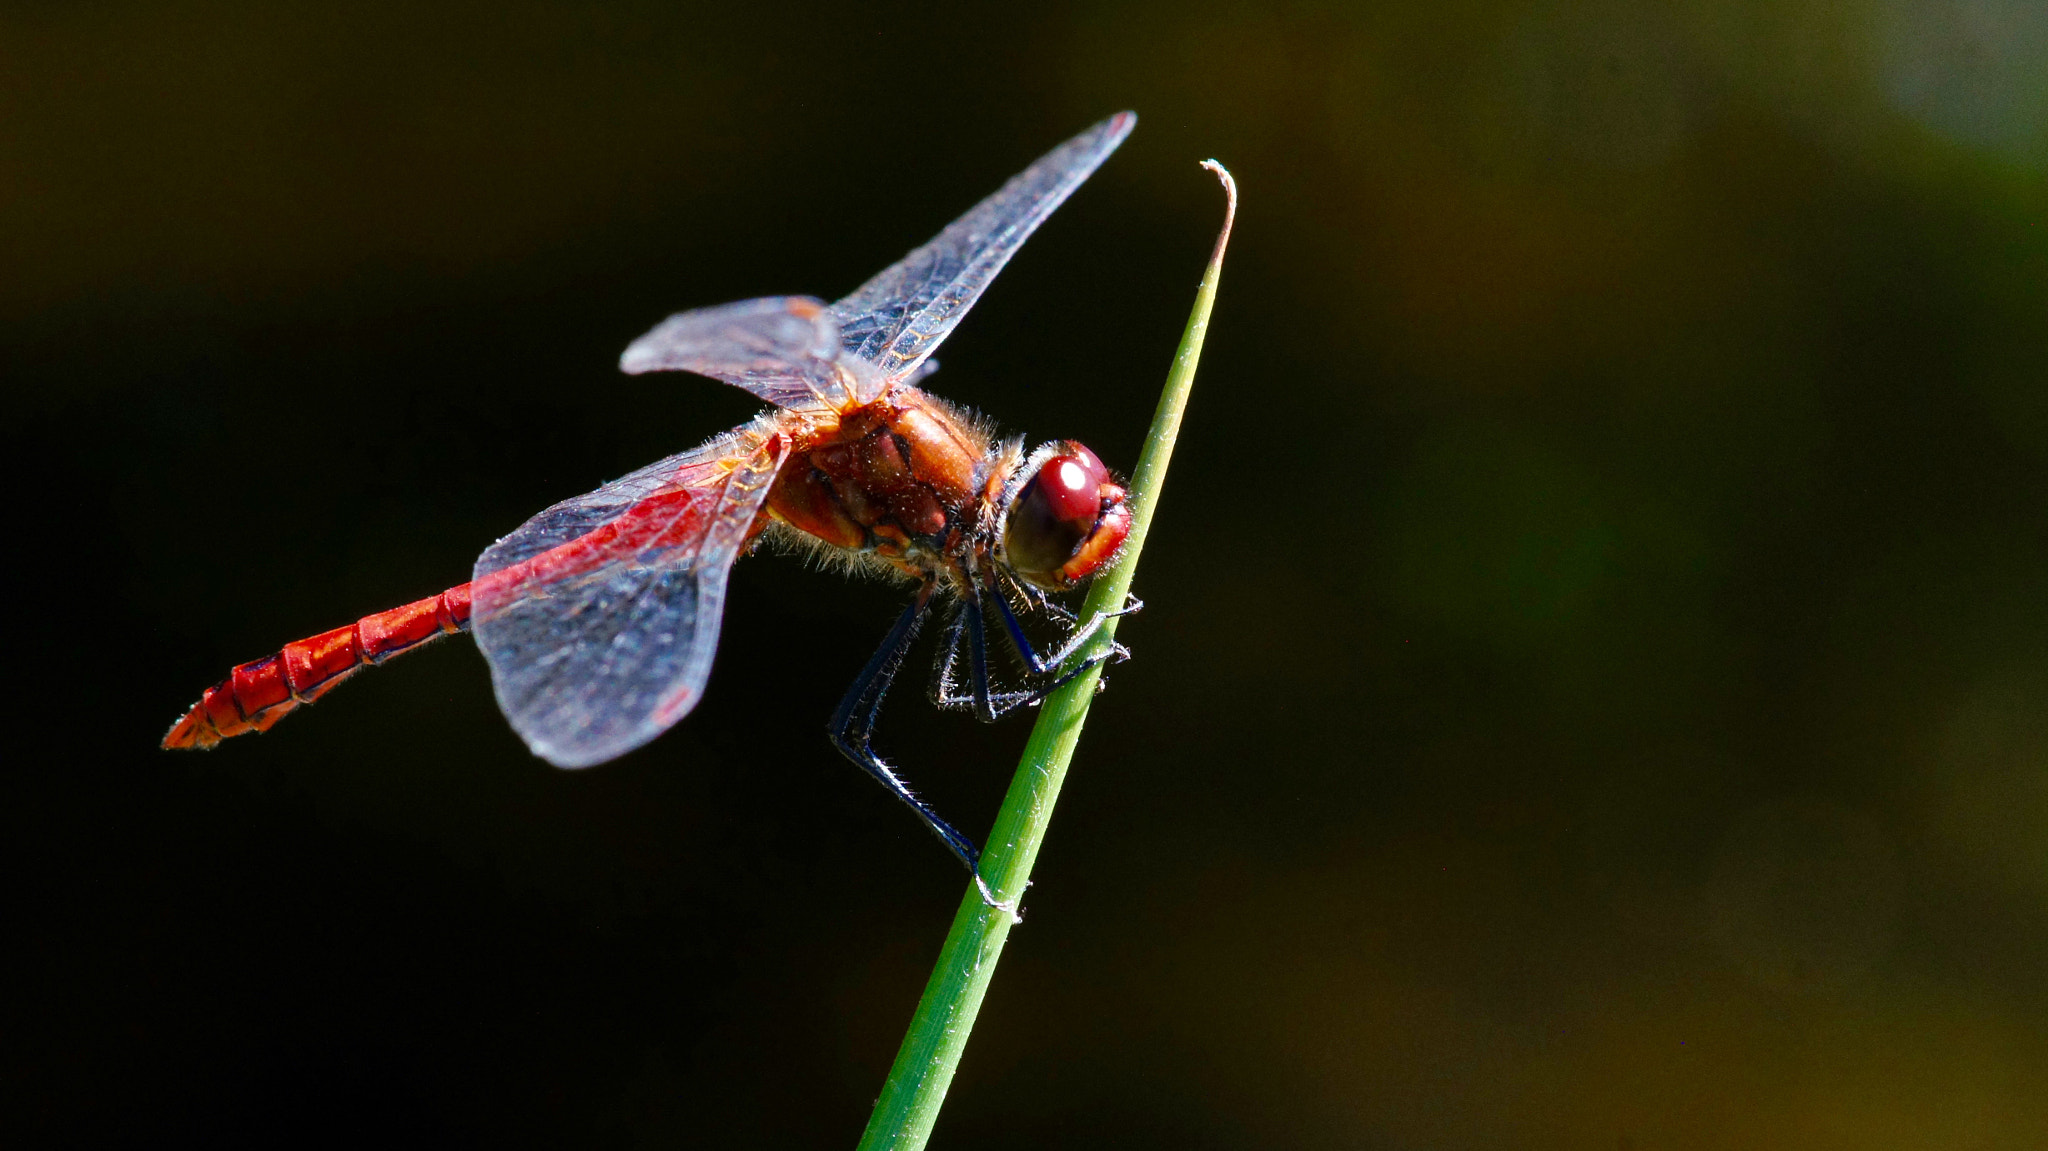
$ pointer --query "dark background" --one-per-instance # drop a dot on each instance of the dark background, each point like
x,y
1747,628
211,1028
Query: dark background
x,y
1592,693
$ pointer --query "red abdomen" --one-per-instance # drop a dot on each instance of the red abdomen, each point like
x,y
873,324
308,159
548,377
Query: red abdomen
x,y
257,695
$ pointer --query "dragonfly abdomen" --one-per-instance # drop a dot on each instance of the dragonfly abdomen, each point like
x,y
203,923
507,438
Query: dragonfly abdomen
x,y
256,695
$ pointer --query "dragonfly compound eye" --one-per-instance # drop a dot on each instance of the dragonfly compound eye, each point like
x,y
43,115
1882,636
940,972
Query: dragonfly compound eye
x,y
1067,520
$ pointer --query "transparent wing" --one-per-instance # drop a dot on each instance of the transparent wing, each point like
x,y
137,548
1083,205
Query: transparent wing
x,y
784,349
599,616
898,318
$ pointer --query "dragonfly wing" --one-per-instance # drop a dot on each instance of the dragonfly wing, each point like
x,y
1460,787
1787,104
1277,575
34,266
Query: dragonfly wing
x,y
898,318
784,349
599,616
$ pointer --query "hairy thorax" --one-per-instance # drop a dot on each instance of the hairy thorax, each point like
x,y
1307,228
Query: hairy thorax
x,y
905,479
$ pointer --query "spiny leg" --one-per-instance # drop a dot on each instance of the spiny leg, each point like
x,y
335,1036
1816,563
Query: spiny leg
x,y
989,705
1038,600
944,693
947,693
977,658
853,726
1080,635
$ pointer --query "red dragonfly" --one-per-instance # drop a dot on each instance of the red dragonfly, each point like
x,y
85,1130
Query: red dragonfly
x,y
599,616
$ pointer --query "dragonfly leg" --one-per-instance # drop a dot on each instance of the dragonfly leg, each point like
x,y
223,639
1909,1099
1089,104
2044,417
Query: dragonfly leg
x,y
853,727
977,658
1080,635
945,690
988,705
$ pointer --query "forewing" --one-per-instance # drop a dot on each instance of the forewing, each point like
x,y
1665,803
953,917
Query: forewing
x,y
599,616
898,318
784,349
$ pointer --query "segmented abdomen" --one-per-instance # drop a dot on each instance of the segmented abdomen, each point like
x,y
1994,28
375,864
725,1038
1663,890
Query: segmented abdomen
x,y
257,695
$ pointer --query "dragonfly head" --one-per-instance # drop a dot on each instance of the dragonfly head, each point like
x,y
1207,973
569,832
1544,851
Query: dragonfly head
x,y
1066,519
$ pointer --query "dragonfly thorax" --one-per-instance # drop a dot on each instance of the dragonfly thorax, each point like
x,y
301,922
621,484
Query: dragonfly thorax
x,y
903,478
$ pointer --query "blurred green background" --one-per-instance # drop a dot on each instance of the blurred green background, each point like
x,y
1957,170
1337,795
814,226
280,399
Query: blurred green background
x,y
1592,689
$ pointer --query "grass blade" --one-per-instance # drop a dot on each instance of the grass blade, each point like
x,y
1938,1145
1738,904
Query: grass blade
x,y
916,1087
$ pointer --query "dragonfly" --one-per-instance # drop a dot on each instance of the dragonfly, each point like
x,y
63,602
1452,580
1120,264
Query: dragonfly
x,y
599,617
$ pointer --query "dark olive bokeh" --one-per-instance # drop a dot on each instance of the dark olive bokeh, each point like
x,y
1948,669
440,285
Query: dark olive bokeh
x,y
1592,689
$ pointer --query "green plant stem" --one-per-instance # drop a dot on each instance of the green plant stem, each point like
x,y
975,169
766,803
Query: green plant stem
x,y
916,1087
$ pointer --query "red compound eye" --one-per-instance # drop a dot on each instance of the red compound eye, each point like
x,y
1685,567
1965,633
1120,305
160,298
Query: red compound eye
x,y
1069,488
1055,514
